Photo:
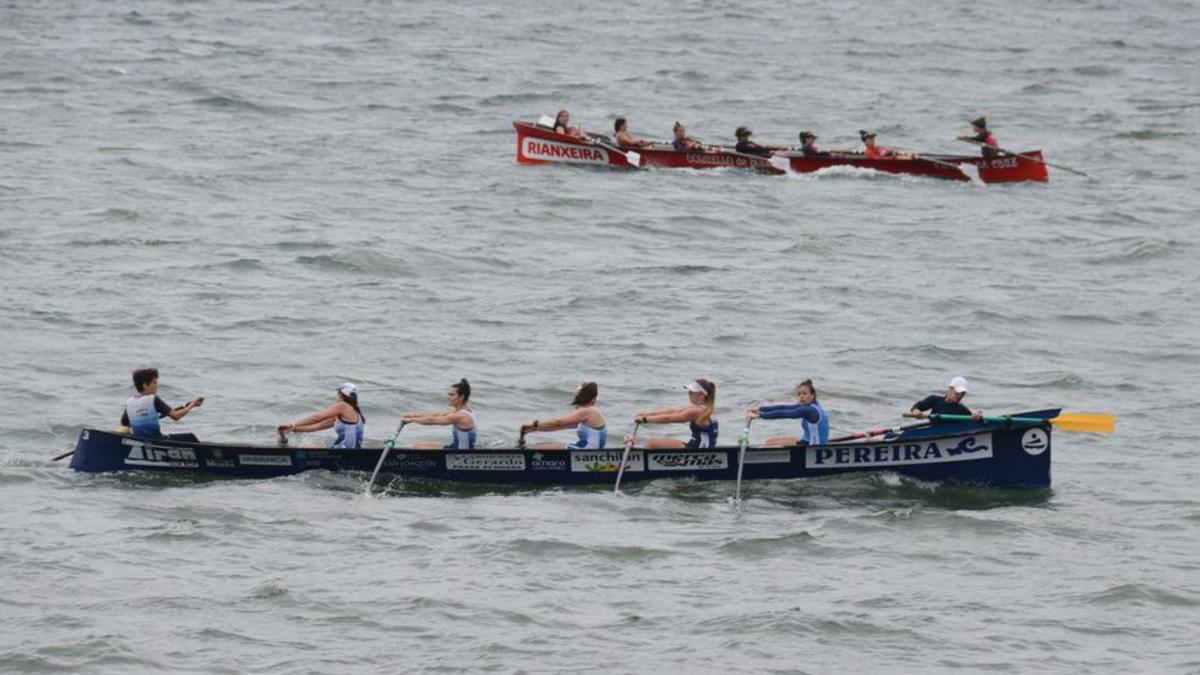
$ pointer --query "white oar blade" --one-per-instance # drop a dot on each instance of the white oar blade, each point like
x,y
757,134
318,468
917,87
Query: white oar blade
x,y
781,163
633,158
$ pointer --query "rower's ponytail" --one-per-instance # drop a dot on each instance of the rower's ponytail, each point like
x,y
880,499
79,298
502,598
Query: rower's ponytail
x,y
463,387
710,396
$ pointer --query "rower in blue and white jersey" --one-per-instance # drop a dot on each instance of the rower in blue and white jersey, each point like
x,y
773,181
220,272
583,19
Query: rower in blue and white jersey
x,y
814,422
698,413
590,428
464,433
344,417
143,410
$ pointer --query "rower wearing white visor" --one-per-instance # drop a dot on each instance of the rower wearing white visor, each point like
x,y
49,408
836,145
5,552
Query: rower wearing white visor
x,y
949,403
344,416
590,428
698,413
460,419
814,423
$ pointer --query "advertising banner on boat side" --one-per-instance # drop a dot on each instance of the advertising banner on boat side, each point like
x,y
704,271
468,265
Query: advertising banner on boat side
x,y
907,453
553,151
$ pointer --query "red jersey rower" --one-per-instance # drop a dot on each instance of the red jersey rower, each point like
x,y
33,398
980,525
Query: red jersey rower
x,y
874,150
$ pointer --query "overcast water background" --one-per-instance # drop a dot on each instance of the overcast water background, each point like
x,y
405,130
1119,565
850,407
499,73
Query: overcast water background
x,y
267,199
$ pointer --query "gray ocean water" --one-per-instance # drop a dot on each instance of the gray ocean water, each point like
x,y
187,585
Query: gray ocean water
x,y
266,199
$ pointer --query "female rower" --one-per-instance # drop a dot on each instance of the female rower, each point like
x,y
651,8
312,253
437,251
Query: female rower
x,y
698,413
562,125
682,142
814,423
985,139
344,416
749,147
624,140
587,420
873,150
460,419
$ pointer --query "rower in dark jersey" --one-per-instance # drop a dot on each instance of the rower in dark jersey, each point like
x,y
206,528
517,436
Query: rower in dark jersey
x,y
698,413
684,144
625,141
948,404
749,147
143,411
808,145
989,147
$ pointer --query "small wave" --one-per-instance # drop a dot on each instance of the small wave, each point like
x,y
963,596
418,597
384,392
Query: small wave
x,y
138,19
1140,594
1097,71
358,262
235,104
1131,249
1150,135
758,546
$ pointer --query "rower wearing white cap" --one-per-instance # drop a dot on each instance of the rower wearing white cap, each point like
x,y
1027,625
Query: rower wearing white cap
x,y
344,416
948,404
460,419
698,413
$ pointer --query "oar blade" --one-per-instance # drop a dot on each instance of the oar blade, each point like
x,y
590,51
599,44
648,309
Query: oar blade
x,y
633,158
1088,422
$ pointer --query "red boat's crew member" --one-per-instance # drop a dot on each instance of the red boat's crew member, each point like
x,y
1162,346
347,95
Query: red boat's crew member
x,y
143,411
989,148
814,423
749,147
682,143
459,418
344,416
698,413
590,429
874,150
624,140
808,145
948,404
562,125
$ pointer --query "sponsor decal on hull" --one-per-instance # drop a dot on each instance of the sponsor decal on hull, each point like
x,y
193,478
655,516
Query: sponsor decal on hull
x,y
554,151
142,453
406,462
541,461
1035,441
606,461
768,456
488,461
915,452
717,160
265,460
688,461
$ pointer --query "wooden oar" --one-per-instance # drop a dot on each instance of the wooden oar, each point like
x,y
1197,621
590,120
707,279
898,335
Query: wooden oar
x,y
918,157
1091,422
745,440
630,156
625,457
387,447
877,432
1017,154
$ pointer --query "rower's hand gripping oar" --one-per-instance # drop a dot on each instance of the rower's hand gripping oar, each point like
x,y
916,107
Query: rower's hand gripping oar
x,y
387,447
625,457
745,441
1028,157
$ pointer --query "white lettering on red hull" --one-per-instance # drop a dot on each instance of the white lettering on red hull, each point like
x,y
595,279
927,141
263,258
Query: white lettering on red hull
x,y
553,151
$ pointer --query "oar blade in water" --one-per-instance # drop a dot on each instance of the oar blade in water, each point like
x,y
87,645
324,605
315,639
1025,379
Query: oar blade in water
x,y
633,158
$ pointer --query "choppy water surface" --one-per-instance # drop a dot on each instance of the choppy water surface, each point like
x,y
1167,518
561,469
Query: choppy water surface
x,y
266,199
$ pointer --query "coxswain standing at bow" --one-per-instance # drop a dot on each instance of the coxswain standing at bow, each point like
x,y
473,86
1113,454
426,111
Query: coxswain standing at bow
x,y
948,404
460,418
989,146
814,422
624,140
344,416
698,413
586,418
749,147
682,143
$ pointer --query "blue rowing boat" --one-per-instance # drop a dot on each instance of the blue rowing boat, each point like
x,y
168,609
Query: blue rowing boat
x,y
1002,453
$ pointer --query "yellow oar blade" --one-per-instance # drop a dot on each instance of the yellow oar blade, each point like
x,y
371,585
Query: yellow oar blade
x,y
1093,422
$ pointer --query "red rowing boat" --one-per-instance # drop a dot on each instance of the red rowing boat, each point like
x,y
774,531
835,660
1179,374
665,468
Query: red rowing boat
x,y
1008,169
539,145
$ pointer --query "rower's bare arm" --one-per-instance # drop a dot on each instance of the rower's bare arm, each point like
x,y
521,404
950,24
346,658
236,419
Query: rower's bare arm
x,y
566,421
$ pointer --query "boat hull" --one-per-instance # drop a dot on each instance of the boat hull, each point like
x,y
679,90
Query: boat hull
x,y
1015,455
537,145
1010,169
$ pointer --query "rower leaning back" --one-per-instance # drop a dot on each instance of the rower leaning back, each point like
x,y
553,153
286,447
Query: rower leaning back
x,y
143,410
